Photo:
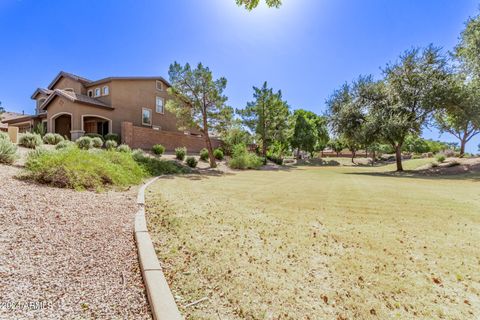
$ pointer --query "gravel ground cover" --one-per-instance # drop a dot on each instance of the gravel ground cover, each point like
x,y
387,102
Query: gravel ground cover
x,y
67,254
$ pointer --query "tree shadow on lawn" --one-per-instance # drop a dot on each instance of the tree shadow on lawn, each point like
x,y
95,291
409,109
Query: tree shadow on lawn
x,y
411,174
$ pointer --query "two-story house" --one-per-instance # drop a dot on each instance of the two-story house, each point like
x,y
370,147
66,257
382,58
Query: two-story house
x,y
73,106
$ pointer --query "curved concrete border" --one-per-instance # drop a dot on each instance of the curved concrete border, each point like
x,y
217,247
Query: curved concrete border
x,y
162,303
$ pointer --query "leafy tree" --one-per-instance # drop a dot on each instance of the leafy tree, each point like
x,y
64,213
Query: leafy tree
x,y
467,50
198,101
252,4
415,144
267,117
402,103
350,118
236,135
336,145
310,132
461,114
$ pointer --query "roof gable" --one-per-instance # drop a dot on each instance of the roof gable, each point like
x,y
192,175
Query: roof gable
x,y
63,74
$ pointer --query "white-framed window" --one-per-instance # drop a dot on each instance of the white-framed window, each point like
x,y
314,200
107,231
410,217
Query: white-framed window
x,y
105,91
160,105
90,93
159,85
146,117
97,92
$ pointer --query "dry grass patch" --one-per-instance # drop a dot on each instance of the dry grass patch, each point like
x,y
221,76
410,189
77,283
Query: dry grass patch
x,y
319,243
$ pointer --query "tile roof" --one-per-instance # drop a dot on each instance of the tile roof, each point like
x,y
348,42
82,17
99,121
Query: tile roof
x,y
74,97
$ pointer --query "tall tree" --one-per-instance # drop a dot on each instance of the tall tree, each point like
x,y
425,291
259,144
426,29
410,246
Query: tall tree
x,y
461,114
402,103
252,4
310,132
467,50
198,101
267,116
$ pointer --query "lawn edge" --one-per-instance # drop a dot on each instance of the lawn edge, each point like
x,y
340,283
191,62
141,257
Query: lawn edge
x,y
160,298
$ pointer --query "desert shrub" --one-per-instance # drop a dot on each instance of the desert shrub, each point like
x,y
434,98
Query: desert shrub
x,y
30,140
191,162
158,149
112,136
204,154
242,159
180,153
94,135
64,144
80,169
52,138
97,142
8,151
155,166
440,158
4,136
84,143
218,154
110,144
124,148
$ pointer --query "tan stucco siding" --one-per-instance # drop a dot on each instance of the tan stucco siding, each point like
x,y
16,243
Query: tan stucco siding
x,y
77,110
65,83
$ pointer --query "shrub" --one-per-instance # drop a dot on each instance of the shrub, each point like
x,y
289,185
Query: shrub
x,y
97,142
242,159
84,143
191,162
124,148
80,169
94,135
180,153
156,167
218,154
112,136
8,151
204,154
158,149
4,136
440,158
49,138
30,140
64,144
110,144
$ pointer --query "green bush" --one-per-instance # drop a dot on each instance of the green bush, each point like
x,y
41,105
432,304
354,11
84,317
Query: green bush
x,y
64,144
110,144
218,154
191,162
204,154
81,169
84,143
112,136
50,138
124,148
4,136
440,158
8,151
30,140
97,142
94,135
158,149
242,159
155,166
180,153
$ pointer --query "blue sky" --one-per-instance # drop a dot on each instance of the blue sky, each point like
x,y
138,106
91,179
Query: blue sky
x,y
307,48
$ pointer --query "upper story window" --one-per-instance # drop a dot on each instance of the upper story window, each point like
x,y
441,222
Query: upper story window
x,y
159,85
146,117
97,92
105,91
90,93
159,107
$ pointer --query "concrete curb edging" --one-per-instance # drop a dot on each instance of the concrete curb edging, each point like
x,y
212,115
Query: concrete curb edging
x,y
162,303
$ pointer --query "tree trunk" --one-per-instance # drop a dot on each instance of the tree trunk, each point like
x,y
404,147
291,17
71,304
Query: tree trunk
x,y
398,157
373,158
366,153
213,163
353,157
463,142
298,153
264,152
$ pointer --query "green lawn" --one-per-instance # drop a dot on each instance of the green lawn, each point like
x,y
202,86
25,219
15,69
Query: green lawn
x,y
320,243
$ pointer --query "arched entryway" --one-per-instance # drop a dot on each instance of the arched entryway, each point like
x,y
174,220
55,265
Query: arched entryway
x,y
96,124
62,124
